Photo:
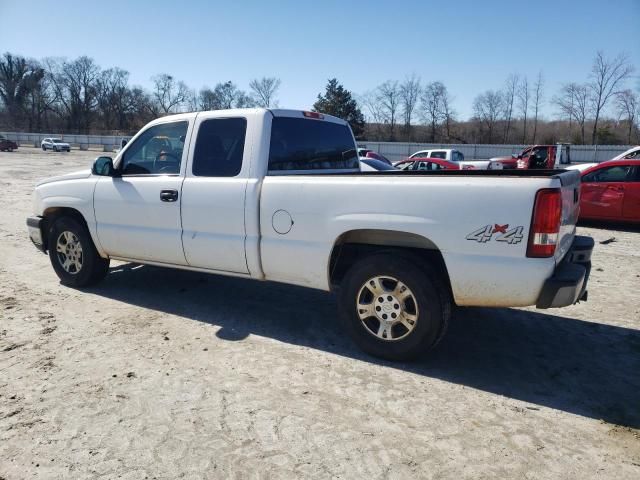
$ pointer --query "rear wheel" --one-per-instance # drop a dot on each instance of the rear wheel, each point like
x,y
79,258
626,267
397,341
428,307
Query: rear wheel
x,y
73,254
392,308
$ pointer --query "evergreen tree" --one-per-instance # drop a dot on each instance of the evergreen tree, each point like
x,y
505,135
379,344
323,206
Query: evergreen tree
x,y
337,101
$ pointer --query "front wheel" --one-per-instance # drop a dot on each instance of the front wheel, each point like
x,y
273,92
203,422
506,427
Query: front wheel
x,y
73,254
393,308
44,149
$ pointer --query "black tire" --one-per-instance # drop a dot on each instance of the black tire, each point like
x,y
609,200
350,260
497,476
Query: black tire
x,y
93,267
432,308
44,149
56,149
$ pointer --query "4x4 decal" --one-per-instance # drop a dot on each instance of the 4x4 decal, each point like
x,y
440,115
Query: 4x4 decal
x,y
486,233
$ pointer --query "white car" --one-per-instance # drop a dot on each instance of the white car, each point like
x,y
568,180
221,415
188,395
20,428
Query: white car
x,y
633,152
55,144
278,195
368,164
452,155
581,167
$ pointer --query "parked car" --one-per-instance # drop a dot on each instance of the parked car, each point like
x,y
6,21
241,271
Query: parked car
x,y
55,144
364,152
451,155
632,153
534,157
7,145
374,165
429,164
611,191
581,167
278,195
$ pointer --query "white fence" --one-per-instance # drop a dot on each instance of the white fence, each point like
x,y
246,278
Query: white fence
x,y
392,150
107,143
579,153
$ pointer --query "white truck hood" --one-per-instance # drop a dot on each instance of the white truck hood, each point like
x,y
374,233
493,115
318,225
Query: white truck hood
x,y
68,176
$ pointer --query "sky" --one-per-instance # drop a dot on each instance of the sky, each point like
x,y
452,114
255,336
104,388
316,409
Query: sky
x,y
470,46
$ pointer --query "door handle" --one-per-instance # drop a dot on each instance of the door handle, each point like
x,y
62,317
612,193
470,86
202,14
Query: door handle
x,y
615,188
168,195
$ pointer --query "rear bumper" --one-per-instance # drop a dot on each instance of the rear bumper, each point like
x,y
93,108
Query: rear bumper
x,y
34,225
568,284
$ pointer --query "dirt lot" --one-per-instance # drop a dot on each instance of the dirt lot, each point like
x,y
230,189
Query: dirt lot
x,y
165,374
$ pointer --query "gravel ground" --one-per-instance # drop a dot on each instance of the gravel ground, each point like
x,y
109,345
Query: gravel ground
x,y
169,374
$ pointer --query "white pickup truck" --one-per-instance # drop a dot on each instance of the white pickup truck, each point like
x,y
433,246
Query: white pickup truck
x,y
452,155
278,195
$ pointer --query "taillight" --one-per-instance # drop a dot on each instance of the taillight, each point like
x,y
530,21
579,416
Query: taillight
x,y
545,224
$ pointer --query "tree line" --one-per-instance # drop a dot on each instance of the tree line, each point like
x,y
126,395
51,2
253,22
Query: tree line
x,y
78,96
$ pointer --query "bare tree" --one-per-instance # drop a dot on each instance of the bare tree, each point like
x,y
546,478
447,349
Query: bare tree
x,y
207,99
409,92
628,105
169,93
537,102
113,97
389,98
75,88
448,112
607,75
524,97
432,100
573,102
224,96
373,111
264,91
509,95
488,107
13,88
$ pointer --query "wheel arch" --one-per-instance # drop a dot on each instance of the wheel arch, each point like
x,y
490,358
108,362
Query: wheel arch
x,y
51,214
353,245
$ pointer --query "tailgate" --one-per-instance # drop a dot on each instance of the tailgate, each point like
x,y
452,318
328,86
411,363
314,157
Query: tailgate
x,y
570,187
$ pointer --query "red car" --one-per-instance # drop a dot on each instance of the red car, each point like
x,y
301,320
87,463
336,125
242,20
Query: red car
x,y
611,191
365,152
7,145
427,163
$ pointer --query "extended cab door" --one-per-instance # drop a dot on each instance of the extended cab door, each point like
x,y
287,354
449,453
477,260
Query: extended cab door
x,y
138,212
213,194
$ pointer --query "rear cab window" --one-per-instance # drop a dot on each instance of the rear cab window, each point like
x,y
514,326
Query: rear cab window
x,y
303,145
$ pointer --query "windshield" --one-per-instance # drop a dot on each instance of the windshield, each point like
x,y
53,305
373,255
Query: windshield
x,y
377,164
56,140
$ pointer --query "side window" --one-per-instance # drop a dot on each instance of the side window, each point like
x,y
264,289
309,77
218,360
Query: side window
x,y
158,150
219,147
406,166
423,166
457,156
618,173
541,153
439,154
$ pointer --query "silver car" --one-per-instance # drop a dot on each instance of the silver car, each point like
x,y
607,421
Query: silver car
x,y
55,144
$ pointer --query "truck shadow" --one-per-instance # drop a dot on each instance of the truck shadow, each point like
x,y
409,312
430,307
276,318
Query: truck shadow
x,y
613,226
580,367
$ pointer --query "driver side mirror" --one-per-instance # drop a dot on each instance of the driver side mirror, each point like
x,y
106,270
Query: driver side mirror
x,y
103,166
